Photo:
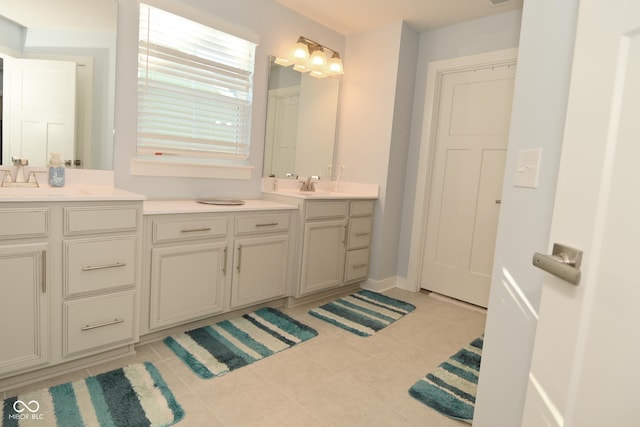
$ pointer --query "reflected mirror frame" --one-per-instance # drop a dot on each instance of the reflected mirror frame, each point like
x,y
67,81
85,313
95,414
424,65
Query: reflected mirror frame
x,y
324,129
103,105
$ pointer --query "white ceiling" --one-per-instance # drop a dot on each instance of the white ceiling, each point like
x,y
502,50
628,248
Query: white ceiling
x,y
354,16
344,16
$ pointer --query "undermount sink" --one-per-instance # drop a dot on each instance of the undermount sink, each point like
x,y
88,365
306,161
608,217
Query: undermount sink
x,y
39,191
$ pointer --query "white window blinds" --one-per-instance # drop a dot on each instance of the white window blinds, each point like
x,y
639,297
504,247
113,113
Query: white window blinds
x,y
194,89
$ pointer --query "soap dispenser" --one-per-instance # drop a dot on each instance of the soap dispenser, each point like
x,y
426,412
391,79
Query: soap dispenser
x,y
56,170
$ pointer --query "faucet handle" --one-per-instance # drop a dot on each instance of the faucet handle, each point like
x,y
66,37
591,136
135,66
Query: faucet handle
x,y
19,162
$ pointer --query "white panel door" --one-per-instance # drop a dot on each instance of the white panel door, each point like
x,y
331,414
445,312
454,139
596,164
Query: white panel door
x,y
42,110
584,367
472,128
282,131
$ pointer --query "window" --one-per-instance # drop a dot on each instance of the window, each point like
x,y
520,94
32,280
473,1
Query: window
x,y
194,90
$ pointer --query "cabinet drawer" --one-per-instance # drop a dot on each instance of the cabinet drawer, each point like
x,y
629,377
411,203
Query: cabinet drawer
x,y
359,233
98,264
24,223
361,208
325,209
357,265
262,223
171,230
97,219
98,322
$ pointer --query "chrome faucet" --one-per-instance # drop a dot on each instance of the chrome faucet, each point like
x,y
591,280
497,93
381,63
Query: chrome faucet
x,y
17,177
309,185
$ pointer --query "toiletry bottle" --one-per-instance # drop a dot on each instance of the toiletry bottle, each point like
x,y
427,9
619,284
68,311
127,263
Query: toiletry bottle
x,y
56,171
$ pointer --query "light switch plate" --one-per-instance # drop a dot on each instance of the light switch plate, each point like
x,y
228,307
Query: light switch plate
x,y
528,168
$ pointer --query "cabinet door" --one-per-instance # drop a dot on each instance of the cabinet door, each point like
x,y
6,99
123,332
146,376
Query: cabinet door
x,y
260,269
187,282
323,255
25,309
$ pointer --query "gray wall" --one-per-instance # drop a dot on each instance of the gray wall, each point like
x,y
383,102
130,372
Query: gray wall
x,y
377,98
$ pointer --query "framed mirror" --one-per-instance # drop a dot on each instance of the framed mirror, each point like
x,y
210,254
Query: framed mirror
x,y
57,85
301,124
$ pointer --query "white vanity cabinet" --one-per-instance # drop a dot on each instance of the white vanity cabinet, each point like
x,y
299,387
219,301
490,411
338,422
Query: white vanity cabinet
x,y
188,267
200,264
335,244
358,240
70,282
324,242
100,259
261,251
24,316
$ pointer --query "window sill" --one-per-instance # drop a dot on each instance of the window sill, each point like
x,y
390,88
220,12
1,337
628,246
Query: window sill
x,y
172,168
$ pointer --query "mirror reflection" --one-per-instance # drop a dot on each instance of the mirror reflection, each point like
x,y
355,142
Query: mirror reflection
x,y
301,124
57,81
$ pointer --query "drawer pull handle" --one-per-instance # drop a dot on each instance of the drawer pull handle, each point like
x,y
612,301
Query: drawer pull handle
x,y
359,265
194,230
224,265
101,325
101,267
362,234
267,224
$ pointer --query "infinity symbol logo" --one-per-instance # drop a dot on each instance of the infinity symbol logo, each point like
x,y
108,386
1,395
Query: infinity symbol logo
x,y
26,406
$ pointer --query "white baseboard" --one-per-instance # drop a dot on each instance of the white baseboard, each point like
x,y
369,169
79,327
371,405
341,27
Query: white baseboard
x,y
380,285
406,285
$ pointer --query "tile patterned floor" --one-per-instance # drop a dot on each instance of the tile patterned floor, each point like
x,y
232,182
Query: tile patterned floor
x,y
335,379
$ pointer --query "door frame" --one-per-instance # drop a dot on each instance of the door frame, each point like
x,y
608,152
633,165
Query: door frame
x,y
436,71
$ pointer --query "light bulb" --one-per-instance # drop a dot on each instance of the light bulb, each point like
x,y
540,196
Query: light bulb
x,y
300,53
318,59
335,66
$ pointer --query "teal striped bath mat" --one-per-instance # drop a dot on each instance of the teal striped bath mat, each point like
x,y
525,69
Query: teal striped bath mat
x,y
364,313
451,388
215,350
135,395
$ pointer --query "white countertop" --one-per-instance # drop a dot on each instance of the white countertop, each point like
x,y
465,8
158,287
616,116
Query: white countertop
x,y
321,195
65,194
157,207
323,189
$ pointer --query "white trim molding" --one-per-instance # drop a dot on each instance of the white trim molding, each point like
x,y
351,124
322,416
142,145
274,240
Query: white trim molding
x,y
142,167
380,285
435,73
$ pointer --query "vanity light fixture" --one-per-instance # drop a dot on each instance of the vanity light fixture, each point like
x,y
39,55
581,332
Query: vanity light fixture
x,y
311,57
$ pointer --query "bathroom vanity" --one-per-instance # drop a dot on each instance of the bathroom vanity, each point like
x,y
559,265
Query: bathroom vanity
x,y
88,272
70,263
204,260
332,237
201,260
